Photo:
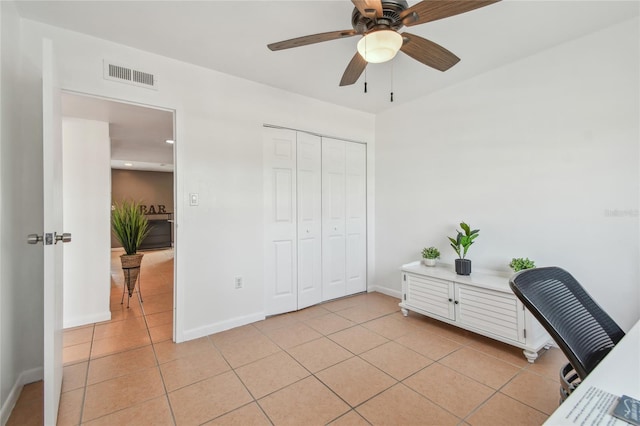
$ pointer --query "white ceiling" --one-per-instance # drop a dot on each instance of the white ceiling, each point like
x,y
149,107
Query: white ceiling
x,y
231,37
138,134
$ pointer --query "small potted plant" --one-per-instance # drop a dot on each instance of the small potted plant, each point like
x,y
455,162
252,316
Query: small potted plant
x,y
461,245
518,264
130,226
429,256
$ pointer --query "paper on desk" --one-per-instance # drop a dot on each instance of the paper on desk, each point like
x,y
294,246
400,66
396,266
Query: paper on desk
x,y
595,408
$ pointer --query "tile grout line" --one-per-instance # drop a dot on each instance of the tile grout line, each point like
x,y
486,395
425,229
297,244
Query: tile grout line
x,y
254,400
311,374
155,355
86,378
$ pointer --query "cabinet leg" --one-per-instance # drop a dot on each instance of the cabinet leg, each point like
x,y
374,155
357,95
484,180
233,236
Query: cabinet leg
x,y
530,355
547,346
404,311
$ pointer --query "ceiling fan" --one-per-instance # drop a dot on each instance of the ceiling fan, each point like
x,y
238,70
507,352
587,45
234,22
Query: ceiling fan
x,y
378,22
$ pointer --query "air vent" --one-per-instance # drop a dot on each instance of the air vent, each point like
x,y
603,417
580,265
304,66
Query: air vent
x,y
128,75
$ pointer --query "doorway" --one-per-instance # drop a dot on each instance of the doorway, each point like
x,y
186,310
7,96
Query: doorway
x,y
113,151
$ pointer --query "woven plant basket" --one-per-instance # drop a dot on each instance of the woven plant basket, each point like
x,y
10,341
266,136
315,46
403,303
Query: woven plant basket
x,y
131,269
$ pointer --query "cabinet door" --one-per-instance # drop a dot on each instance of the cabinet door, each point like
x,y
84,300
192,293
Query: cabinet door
x,y
492,312
431,295
333,219
309,220
356,217
280,267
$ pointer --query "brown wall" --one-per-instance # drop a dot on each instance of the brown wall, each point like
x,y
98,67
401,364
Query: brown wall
x,y
148,188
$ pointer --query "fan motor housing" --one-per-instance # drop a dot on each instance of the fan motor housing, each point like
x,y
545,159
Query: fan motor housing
x,y
391,10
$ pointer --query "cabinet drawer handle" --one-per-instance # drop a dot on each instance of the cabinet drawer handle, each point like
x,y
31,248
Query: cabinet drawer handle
x,y
450,300
456,302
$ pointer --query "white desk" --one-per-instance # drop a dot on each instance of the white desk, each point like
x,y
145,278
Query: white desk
x,y
618,373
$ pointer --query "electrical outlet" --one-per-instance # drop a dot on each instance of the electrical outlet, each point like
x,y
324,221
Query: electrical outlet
x,y
238,281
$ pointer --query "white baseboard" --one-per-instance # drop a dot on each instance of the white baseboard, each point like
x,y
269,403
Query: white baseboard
x,y
206,330
88,319
385,290
26,377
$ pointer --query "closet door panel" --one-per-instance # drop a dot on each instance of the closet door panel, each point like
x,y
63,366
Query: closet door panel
x,y
309,220
356,217
280,265
333,219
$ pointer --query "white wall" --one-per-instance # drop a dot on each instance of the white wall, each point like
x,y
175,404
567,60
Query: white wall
x,y
86,180
21,265
218,149
537,155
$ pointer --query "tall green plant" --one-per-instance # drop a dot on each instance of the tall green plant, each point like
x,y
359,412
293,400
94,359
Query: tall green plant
x,y
129,225
462,242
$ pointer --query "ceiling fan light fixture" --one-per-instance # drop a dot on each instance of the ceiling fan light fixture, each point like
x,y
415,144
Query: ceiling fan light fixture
x,y
380,46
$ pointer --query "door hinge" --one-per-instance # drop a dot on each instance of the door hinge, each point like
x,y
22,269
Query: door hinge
x,y
525,332
404,277
405,296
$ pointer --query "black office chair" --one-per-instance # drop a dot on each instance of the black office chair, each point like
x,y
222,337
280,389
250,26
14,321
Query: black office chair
x,y
582,330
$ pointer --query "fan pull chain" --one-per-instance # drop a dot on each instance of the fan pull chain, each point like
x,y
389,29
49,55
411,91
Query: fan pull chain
x,y
391,81
365,80
365,70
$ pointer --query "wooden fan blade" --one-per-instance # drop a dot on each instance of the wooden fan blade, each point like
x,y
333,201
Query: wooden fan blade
x,y
311,39
432,10
369,8
354,70
428,52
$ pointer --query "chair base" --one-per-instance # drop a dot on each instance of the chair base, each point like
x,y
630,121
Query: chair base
x,y
569,381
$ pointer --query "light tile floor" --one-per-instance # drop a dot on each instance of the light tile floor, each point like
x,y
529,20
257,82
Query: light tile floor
x,y
353,361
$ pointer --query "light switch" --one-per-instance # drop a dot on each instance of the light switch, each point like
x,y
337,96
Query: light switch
x,y
193,199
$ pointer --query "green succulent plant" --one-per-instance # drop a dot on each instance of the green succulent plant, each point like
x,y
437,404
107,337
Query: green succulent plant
x,y
518,264
430,253
462,242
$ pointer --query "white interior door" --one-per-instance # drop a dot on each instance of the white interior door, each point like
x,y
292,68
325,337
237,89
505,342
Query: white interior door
x,y
280,251
333,219
309,220
53,249
356,217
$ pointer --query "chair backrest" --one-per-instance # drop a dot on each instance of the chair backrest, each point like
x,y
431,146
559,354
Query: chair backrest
x,y
579,326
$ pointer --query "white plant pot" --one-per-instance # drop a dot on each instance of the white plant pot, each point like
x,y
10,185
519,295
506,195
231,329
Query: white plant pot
x,y
429,262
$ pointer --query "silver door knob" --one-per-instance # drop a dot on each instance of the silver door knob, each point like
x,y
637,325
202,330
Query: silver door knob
x,y
64,237
34,239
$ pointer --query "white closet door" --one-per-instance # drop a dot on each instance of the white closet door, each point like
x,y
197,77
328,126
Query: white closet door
x,y
280,268
333,219
309,220
356,217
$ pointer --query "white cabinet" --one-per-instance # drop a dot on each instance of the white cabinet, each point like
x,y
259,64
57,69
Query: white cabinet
x,y
314,219
482,303
428,294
